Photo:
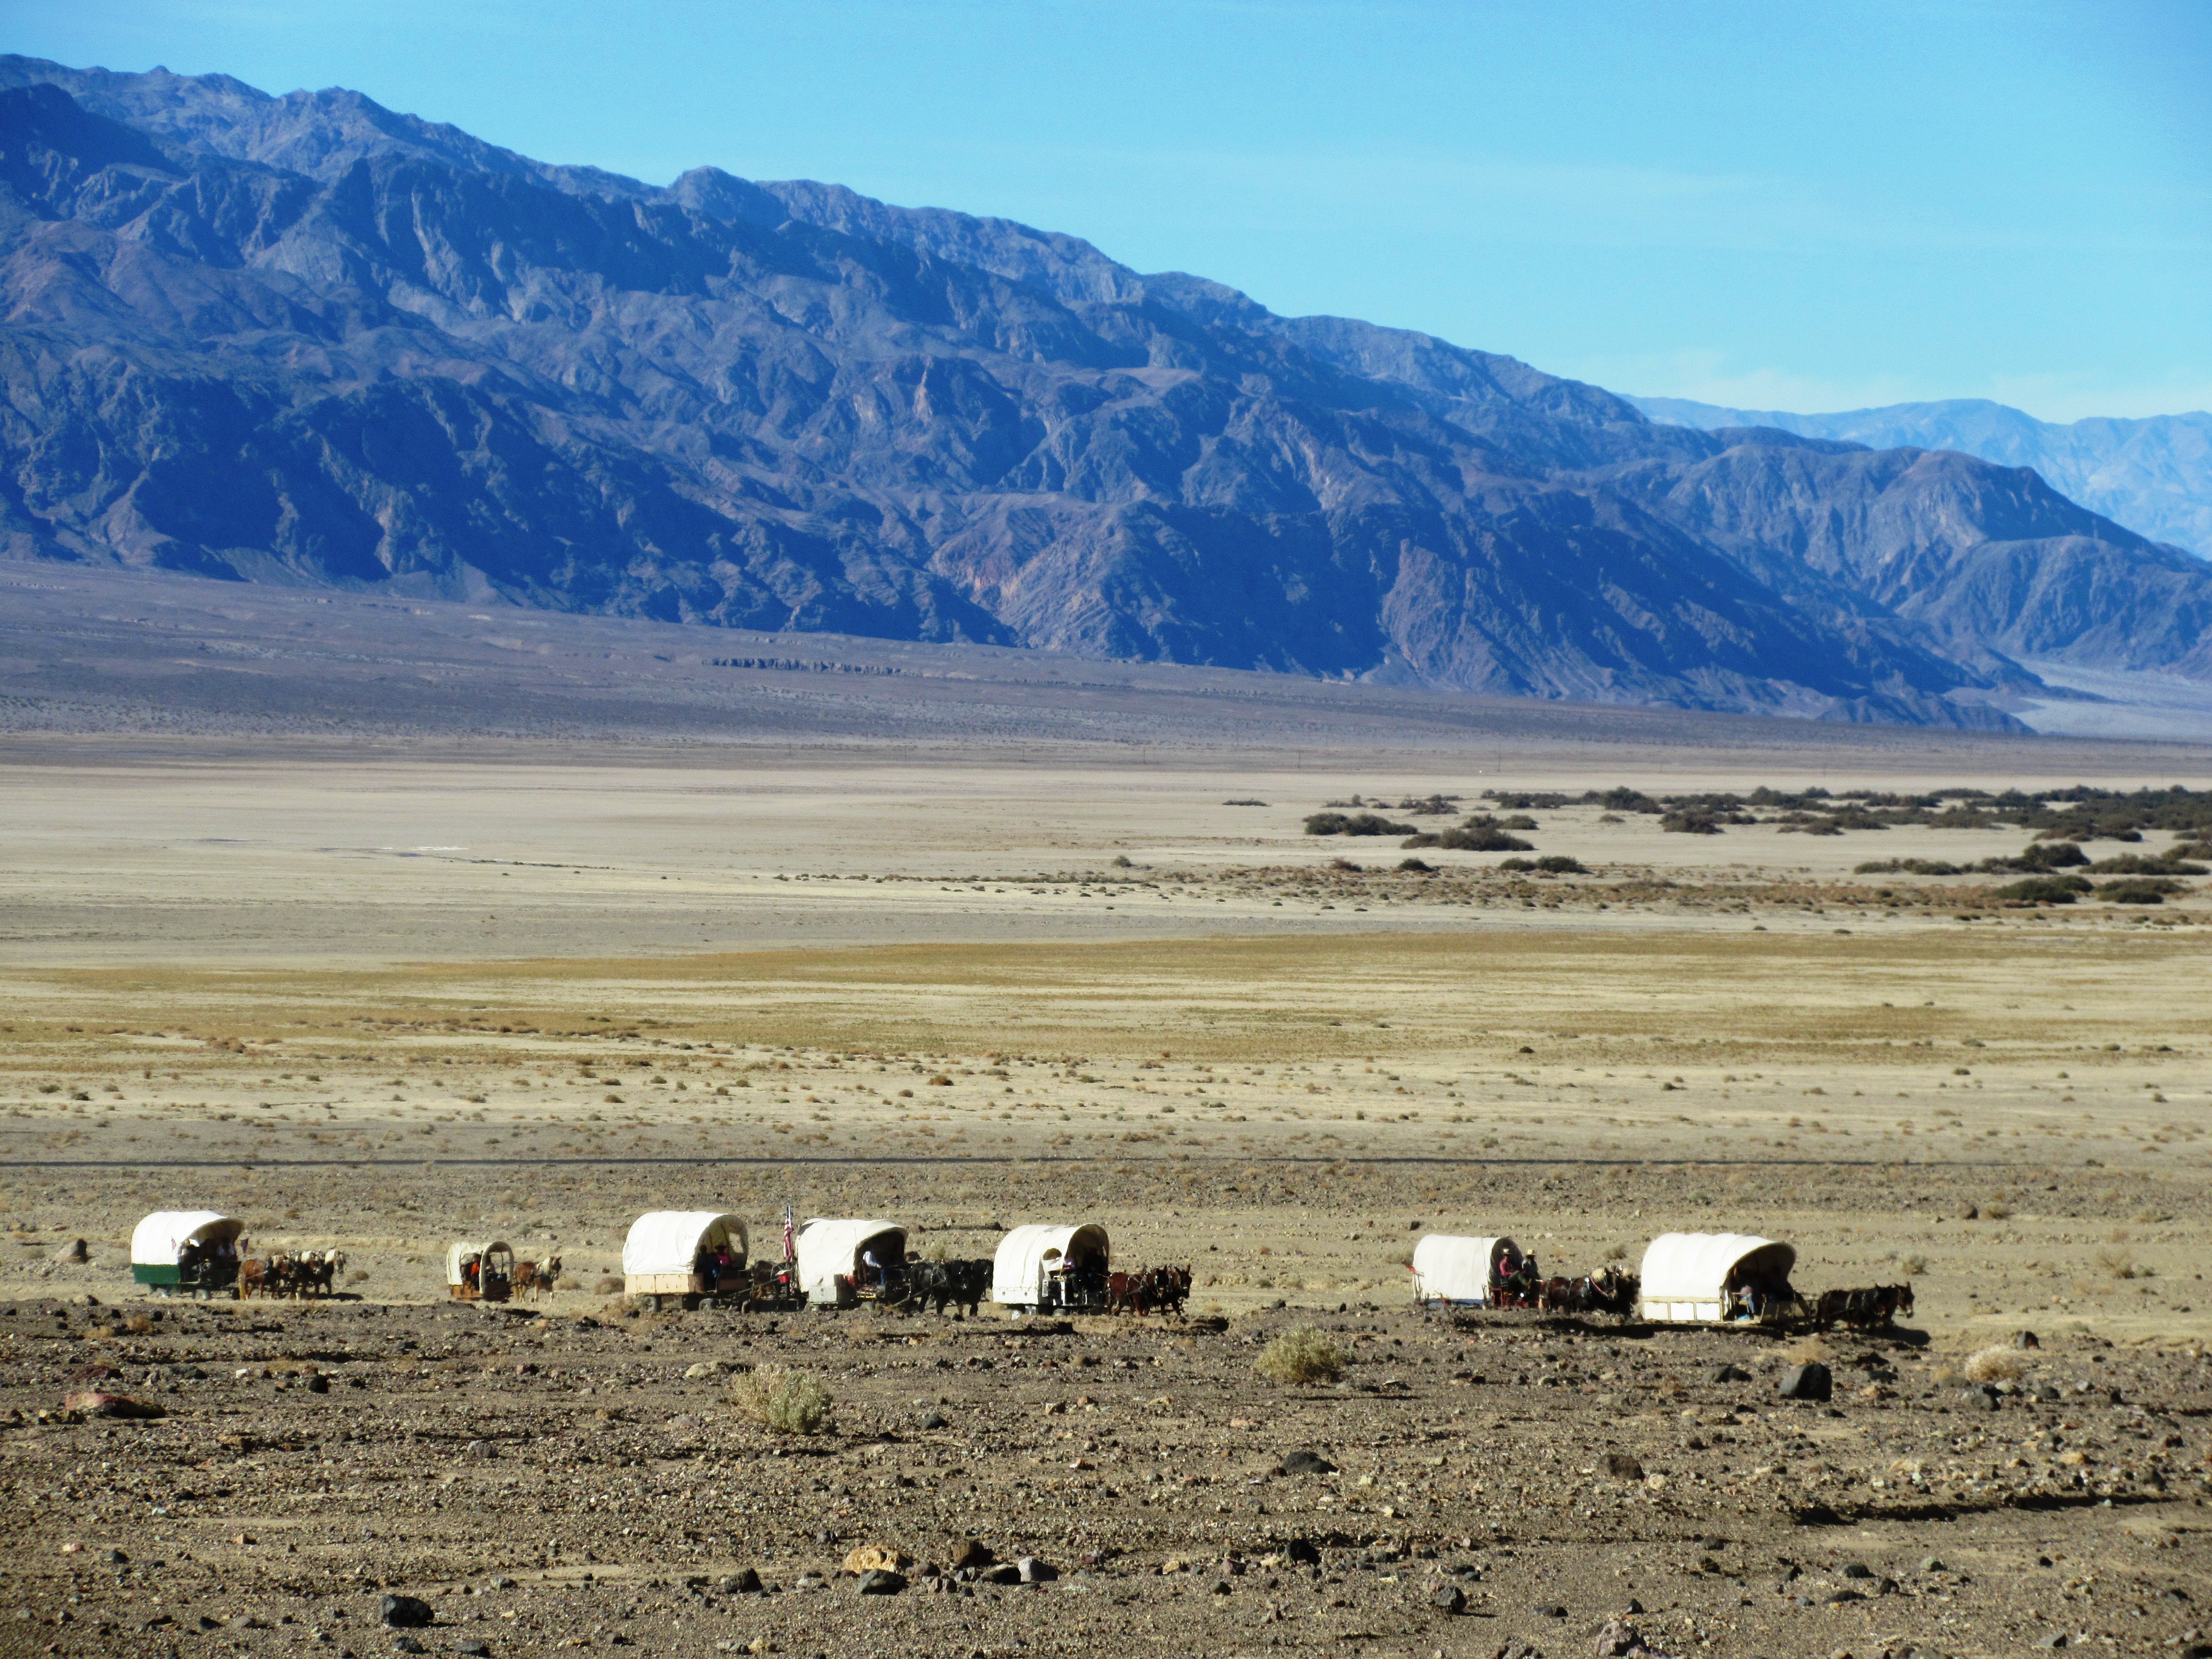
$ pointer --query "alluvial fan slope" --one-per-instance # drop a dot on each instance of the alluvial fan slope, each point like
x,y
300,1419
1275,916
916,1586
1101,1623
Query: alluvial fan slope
x,y
307,340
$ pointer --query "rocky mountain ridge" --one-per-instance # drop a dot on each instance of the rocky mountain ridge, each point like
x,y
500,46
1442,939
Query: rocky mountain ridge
x,y
2152,474
308,340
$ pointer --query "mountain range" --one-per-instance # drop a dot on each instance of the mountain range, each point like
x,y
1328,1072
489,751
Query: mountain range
x,y
2153,475
309,340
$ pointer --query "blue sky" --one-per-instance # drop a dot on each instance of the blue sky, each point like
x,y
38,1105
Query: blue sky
x,y
1780,206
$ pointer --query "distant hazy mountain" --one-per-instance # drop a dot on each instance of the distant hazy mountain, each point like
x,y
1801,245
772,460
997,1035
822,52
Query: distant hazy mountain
x,y
307,340
2153,476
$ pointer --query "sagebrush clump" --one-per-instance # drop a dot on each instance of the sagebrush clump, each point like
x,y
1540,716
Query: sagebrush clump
x,y
789,1402
1301,1355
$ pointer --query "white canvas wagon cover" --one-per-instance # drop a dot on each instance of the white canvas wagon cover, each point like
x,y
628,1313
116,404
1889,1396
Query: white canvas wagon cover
x,y
160,1239
669,1241
830,1245
462,1250
1026,1254
1450,1267
1686,1274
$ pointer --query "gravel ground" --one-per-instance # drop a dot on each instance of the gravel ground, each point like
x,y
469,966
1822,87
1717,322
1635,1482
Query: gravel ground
x,y
546,1481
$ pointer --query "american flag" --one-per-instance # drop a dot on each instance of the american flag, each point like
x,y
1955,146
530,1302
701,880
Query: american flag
x,y
790,1246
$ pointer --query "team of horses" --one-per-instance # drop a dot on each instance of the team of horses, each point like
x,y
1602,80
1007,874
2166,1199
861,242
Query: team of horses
x,y
1872,1307
957,1284
310,1273
1162,1290
533,1279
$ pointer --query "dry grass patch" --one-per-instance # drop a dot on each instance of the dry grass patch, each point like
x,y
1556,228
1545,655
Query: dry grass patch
x,y
1994,1365
787,1401
1301,1355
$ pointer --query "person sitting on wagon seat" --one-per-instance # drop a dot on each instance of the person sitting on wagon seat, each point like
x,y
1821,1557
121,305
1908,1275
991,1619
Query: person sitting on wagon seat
x,y
1743,1292
868,1259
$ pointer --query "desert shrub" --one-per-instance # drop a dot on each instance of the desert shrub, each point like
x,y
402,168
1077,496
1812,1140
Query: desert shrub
x,y
1412,841
1516,864
1301,1355
568,1282
1121,861
1418,866
608,1285
1558,864
1913,1266
1517,821
1625,800
2191,850
2139,890
1809,1351
1345,864
2043,889
1997,1210
358,1276
2117,1264
2049,855
787,1401
2134,864
1482,834
1691,821
1354,823
1616,1253
1994,1365
1247,800
1908,867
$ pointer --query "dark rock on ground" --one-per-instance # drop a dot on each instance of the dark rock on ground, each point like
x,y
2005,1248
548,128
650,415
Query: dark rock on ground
x,y
879,1582
405,1612
1811,1382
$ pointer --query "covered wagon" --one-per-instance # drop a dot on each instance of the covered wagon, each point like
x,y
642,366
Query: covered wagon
x,y
187,1252
1051,1265
1705,1278
1453,1270
479,1270
688,1254
842,1261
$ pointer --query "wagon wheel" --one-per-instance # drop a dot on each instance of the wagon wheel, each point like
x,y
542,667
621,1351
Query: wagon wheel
x,y
650,1303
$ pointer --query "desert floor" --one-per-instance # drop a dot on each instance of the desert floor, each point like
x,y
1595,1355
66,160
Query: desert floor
x,y
379,997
